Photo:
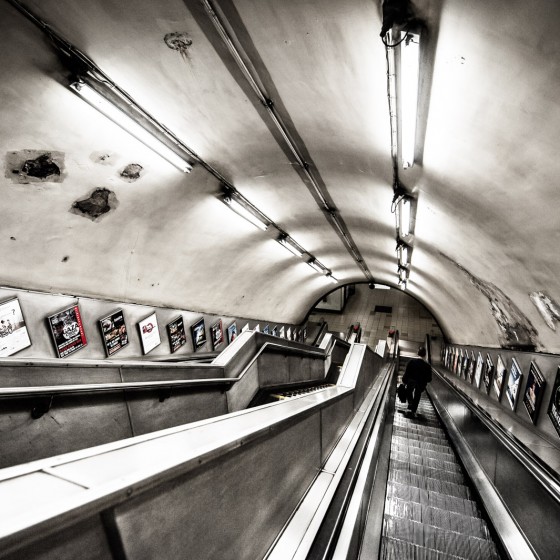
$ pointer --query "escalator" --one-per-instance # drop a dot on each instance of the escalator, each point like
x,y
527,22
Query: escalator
x,y
430,509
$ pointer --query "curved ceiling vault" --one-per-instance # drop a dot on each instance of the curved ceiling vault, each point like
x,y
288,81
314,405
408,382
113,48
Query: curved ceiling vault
x,y
298,125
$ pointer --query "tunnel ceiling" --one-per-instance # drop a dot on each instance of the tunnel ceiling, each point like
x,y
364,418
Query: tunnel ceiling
x,y
88,210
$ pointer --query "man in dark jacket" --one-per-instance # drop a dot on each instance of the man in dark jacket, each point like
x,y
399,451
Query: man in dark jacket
x,y
417,375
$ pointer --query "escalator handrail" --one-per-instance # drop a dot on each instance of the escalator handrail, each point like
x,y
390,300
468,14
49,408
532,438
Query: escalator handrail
x,y
540,471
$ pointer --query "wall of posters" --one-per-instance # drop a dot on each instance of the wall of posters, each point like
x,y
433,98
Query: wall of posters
x,y
67,331
216,334
534,392
198,333
488,372
232,332
176,333
13,331
554,405
513,383
478,371
149,333
113,332
499,377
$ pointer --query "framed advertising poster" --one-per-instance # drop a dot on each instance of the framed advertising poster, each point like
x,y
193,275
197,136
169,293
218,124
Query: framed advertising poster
x,y
282,332
455,360
304,333
176,333
554,404
513,383
257,328
266,329
13,331
245,327
67,331
149,333
534,392
289,333
113,332
275,331
499,378
216,334
465,364
488,372
198,333
472,365
231,332
478,371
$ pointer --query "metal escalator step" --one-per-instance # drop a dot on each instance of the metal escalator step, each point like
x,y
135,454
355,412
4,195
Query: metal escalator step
x,y
437,517
395,549
435,538
430,484
427,430
420,444
427,461
433,499
419,436
417,452
425,470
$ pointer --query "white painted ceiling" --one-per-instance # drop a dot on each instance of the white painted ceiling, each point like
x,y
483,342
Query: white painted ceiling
x,y
487,225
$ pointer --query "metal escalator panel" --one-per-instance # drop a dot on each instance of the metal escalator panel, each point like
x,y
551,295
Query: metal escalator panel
x,y
430,511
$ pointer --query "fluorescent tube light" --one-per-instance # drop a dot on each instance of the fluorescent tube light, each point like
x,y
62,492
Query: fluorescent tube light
x,y
403,255
292,248
410,66
244,213
404,215
381,287
128,124
317,267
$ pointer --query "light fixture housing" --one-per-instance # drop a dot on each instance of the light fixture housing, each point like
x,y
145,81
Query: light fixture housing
x,y
244,211
317,267
332,278
404,213
286,242
128,124
404,255
409,74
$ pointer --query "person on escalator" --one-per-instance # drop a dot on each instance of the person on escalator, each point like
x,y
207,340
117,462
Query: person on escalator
x,y
417,375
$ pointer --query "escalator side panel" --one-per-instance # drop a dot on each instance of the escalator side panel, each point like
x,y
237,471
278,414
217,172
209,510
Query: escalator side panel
x,y
534,509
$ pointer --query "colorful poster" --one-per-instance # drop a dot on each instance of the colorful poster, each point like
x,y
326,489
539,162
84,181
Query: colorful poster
x,y
67,331
488,372
13,332
499,378
149,333
217,334
113,332
554,405
176,333
478,371
198,333
513,383
232,332
534,392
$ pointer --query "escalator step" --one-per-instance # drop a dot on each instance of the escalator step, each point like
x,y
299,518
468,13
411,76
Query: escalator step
x,y
427,430
422,445
395,549
433,499
448,542
431,462
417,436
430,484
424,470
437,517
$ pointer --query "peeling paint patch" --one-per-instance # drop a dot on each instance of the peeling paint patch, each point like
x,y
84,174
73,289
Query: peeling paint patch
x,y
103,158
179,41
547,307
100,202
517,330
35,166
131,172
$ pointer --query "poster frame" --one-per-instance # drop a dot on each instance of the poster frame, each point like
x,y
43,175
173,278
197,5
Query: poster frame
x,y
533,405
148,340
198,326
176,332
121,335
75,309
4,305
